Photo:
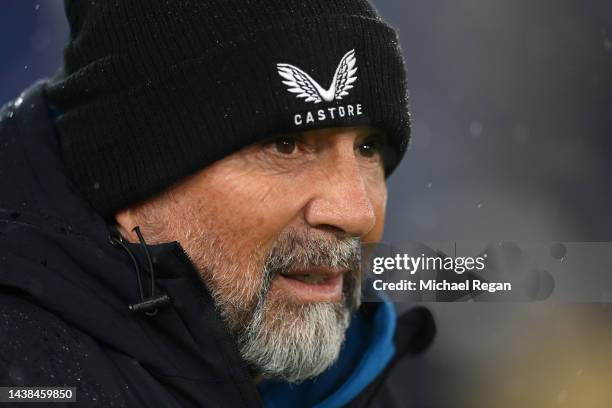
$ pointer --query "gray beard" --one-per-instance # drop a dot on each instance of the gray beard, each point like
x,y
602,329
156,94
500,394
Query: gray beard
x,y
294,342
308,342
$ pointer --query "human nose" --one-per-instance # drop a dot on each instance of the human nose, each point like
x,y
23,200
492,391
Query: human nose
x,y
341,201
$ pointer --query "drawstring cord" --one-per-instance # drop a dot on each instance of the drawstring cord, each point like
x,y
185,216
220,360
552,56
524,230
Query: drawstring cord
x,y
150,305
119,241
149,260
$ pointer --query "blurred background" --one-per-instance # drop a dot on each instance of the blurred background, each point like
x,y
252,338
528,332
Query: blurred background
x,y
512,139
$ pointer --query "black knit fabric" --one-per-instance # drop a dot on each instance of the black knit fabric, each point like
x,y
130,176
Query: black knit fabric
x,y
154,90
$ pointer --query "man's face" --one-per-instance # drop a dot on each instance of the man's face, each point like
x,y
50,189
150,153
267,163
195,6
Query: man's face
x,y
274,230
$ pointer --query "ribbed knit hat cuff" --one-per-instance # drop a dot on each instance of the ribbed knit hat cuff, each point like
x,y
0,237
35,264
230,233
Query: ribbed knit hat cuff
x,y
159,124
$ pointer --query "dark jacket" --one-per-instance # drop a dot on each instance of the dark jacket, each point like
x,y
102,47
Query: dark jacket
x,y
65,290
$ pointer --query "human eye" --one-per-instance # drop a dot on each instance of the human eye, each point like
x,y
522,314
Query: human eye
x,y
371,146
285,145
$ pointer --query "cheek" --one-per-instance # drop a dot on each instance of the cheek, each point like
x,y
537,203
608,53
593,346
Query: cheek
x,y
249,210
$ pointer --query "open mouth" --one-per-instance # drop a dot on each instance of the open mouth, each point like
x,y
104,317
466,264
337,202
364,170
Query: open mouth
x,y
312,285
313,279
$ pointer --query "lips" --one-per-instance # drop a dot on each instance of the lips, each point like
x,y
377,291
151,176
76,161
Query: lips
x,y
312,285
313,275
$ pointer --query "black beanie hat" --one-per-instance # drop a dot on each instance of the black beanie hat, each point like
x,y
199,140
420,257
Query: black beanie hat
x,y
153,90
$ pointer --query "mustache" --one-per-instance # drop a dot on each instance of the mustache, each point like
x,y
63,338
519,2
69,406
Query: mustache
x,y
294,250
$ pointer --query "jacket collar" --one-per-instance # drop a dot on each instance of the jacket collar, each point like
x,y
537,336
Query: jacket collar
x,y
58,252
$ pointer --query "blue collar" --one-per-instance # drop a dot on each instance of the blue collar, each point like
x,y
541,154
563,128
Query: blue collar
x,y
366,352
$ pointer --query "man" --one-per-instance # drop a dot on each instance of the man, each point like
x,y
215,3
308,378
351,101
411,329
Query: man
x,y
183,205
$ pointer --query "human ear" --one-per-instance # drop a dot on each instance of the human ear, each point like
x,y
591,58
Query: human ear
x,y
125,224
